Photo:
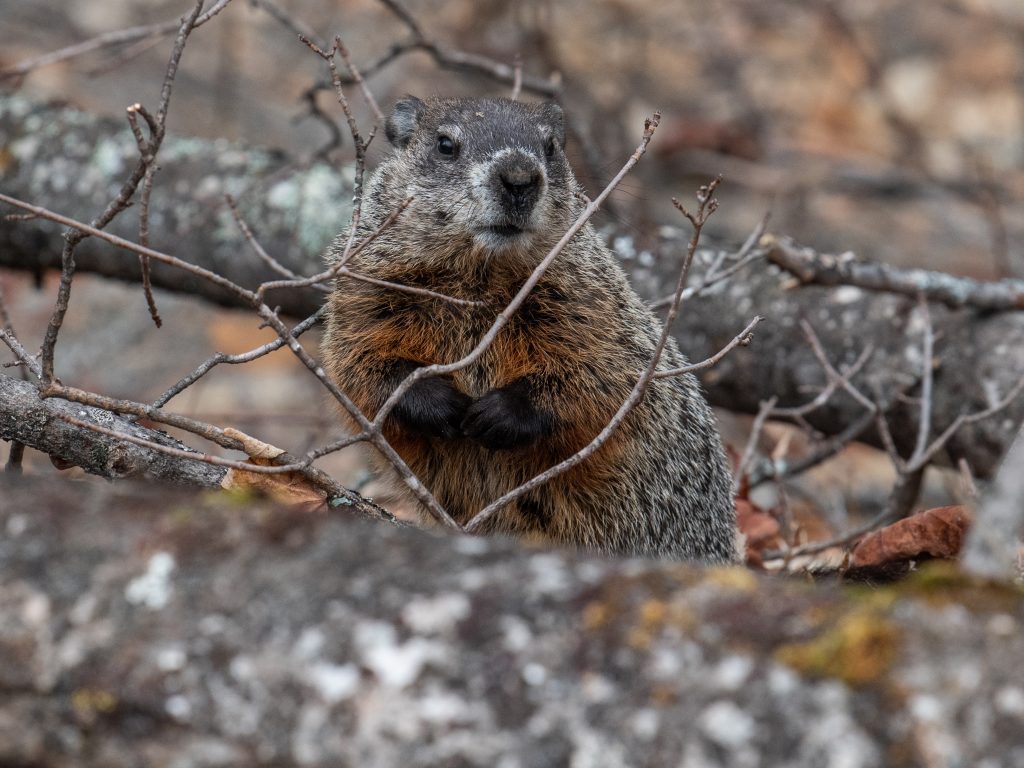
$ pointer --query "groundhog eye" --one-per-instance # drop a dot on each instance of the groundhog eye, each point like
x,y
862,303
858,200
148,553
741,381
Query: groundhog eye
x,y
549,149
445,145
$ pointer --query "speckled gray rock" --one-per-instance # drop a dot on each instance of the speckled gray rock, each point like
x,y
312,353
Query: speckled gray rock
x,y
140,627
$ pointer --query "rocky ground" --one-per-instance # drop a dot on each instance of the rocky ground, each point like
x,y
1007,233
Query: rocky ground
x,y
147,627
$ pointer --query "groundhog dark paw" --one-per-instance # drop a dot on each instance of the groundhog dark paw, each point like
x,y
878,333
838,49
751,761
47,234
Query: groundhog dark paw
x,y
433,407
505,418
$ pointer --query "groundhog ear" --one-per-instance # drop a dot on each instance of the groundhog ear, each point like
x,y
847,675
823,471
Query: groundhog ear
x,y
556,120
403,120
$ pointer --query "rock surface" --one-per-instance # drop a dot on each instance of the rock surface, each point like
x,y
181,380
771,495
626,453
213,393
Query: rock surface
x,y
147,627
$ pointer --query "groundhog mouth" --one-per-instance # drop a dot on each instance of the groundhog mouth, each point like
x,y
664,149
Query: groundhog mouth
x,y
503,230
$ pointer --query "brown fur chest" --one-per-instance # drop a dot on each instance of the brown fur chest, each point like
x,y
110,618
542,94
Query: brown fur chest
x,y
542,335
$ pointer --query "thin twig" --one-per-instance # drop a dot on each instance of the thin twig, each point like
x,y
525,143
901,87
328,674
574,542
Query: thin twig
x,y
338,269
287,20
963,419
447,58
358,78
741,339
751,447
834,382
927,353
357,140
517,79
258,249
157,133
118,204
907,487
244,357
106,40
271,318
830,371
29,362
746,254
769,469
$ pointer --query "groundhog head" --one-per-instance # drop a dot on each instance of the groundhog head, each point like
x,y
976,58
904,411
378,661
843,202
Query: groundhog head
x,y
489,170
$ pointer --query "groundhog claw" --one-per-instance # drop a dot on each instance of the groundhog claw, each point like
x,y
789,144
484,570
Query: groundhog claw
x,y
505,418
433,407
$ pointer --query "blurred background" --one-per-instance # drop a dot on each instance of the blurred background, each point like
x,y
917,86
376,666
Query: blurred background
x,y
892,128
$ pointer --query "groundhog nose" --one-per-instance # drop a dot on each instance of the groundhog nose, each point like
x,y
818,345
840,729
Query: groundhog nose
x,y
521,184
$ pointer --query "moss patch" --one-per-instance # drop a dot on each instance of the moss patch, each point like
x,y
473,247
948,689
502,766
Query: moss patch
x,y
858,649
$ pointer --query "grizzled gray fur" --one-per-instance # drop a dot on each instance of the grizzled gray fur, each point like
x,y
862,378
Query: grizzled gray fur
x,y
493,194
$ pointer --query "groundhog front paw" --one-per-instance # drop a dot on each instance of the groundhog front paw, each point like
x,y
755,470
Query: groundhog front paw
x,y
432,407
505,418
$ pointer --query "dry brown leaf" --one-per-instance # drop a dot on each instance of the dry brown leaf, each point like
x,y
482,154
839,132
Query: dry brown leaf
x,y
760,529
935,532
257,450
288,487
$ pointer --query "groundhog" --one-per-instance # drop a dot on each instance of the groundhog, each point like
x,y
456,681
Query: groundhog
x,y
493,194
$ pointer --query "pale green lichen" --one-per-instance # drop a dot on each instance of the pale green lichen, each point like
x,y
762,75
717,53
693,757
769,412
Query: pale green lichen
x,y
24,149
182,148
108,157
315,204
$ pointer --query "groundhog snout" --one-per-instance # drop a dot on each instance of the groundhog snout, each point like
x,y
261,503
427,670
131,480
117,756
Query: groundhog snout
x,y
518,182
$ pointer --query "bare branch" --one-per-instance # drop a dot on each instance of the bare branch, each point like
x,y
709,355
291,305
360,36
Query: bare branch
x,y
834,382
517,79
258,249
780,468
296,26
823,269
751,447
358,78
7,337
927,375
940,442
830,371
106,40
741,339
270,317
244,357
447,58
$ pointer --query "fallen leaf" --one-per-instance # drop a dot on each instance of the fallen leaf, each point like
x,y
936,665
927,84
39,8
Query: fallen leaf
x,y
257,450
292,488
759,528
289,488
933,533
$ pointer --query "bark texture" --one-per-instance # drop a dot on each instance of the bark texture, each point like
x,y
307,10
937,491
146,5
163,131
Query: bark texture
x,y
71,162
26,418
240,635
